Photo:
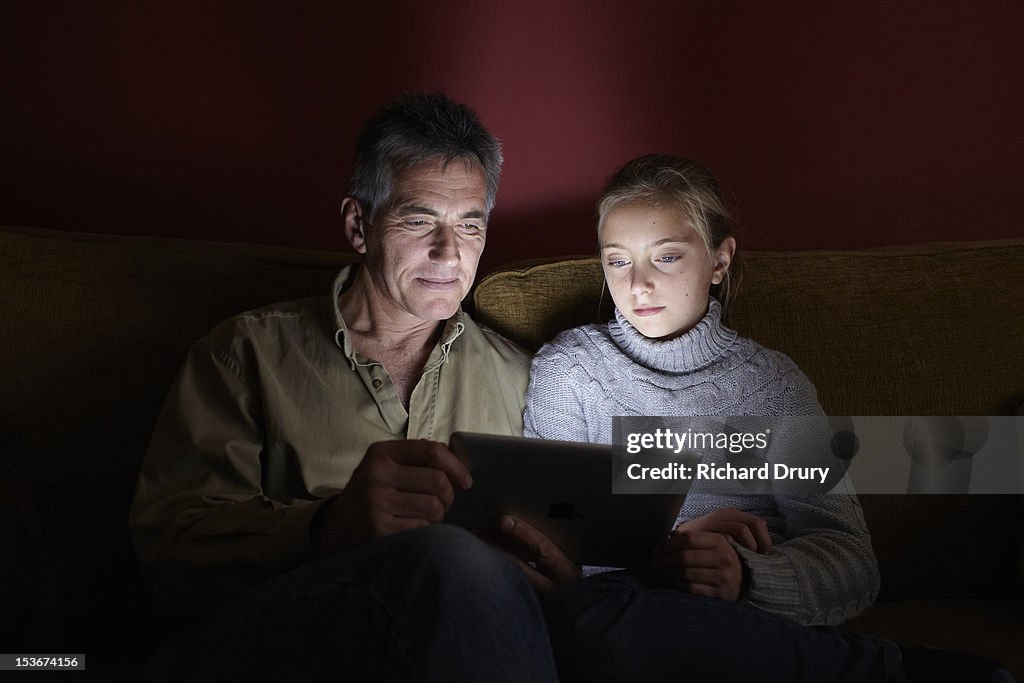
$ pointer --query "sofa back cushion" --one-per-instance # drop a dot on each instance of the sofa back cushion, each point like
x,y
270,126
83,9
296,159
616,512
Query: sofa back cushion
x,y
924,330
93,330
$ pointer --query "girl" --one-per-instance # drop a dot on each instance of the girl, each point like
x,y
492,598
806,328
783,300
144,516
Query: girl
x,y
740,575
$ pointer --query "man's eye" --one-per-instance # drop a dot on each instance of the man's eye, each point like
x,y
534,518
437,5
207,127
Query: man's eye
x,y
416,222
470,227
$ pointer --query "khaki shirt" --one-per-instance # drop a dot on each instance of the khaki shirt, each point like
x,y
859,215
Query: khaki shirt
x,y
271,414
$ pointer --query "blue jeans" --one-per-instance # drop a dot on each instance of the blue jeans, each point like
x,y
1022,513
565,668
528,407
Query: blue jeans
x,y
433,604
624,627
438,604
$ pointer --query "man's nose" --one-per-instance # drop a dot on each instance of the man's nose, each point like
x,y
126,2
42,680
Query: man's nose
x,y
444,250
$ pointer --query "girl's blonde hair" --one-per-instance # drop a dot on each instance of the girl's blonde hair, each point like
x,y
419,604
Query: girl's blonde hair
x,y
672,182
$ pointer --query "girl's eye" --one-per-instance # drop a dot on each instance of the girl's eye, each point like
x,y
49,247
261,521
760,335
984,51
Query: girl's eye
x,y
667,259
617,263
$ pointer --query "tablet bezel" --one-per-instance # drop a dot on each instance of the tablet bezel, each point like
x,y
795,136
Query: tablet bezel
x,y
528,477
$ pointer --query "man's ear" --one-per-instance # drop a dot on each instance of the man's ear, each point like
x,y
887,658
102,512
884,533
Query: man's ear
x,y
723,257
353,223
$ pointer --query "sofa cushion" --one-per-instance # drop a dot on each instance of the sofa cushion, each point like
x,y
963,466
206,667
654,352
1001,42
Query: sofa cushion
x,y
105,611
989,628
31,608
94,328
946,545
531,301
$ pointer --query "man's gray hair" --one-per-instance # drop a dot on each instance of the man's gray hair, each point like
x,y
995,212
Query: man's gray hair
x,y
419,127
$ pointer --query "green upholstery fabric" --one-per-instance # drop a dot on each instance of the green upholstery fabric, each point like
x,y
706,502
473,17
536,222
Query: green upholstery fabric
x,y
30,611
93,330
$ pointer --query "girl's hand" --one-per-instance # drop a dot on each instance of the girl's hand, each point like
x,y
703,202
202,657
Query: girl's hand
x,y
702,563
750,531
699,557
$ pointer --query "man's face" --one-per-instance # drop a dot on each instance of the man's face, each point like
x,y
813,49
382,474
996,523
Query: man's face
x,y
422,251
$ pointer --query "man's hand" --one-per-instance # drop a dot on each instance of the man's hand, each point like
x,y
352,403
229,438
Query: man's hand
x,y
702,563
545,564
750,531
398,485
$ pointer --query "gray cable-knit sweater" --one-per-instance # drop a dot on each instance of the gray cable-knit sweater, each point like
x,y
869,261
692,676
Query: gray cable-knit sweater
x,y
821,569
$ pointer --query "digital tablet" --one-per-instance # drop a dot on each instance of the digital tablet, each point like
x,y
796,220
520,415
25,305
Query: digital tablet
x,y
564,489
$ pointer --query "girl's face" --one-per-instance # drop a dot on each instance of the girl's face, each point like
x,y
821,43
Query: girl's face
x,y
658,270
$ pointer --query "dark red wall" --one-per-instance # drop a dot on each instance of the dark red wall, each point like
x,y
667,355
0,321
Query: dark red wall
x,y
834,124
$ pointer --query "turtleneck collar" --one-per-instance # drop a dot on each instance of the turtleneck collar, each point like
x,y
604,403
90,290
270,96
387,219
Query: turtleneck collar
x,y
692,350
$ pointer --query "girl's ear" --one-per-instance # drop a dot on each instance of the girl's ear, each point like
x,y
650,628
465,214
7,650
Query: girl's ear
x,y
353,224
723,257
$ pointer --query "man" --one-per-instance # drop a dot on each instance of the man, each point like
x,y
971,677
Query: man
x,y
297,474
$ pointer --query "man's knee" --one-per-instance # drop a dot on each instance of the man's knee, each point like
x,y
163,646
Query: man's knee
x,y
443,543
398,599
454,560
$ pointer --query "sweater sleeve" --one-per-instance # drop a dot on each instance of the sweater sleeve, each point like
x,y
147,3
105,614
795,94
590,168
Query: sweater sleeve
x,y
823,569
553,407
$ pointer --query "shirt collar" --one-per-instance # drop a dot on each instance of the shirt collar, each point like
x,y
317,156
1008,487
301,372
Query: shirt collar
x,y
453,327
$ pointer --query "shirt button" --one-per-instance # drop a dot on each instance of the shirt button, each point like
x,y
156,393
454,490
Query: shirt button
x,y
377,384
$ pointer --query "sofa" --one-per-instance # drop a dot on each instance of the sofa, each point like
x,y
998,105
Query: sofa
x,y
93,329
